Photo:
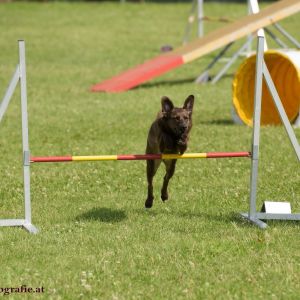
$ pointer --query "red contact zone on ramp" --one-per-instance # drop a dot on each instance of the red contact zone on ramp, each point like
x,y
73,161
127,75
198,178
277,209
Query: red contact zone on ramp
x,y
140,74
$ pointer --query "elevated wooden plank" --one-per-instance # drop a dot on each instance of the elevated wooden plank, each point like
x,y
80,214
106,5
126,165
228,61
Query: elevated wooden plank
x,y
134,77
242,27
212,41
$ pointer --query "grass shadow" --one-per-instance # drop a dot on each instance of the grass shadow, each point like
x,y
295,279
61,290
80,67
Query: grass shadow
x,y
170,83
222,122
103,214
165,83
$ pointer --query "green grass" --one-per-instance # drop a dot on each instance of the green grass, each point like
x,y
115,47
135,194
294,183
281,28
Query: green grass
x,y
96,241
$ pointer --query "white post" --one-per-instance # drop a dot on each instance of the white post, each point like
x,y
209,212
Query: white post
x,y
25,138
20,75
256,131
261,73
200,18
253,8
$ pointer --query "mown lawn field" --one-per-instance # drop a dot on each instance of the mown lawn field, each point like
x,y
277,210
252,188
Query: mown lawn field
x,y
95,240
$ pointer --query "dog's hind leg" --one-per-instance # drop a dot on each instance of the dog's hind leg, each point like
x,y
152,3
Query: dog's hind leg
x,y
170,169
152,166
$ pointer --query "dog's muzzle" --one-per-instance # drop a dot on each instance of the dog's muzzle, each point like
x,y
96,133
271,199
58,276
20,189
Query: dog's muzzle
x,y
182,129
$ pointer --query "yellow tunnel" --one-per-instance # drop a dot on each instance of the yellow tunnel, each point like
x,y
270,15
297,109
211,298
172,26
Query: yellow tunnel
x,y
284,67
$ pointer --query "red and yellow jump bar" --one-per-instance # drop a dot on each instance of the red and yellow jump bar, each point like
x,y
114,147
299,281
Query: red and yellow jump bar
x,y
40,159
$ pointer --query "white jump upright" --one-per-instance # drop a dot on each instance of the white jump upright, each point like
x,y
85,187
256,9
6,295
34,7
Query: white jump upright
x,y
20,76
262,72
200,18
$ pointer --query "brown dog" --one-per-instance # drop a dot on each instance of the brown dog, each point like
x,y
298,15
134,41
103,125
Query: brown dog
x,y
169,133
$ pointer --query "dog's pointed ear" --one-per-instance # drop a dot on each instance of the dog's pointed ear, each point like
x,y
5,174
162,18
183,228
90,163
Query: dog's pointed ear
x,y
166,104
189,103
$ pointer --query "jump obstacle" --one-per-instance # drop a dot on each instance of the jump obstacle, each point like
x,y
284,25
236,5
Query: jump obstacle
x,y
252,215
138,157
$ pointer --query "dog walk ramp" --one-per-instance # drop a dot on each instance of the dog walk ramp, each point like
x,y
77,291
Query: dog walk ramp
x,y
185,54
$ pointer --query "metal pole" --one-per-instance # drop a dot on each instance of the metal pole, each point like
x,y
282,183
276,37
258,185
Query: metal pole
x,y
276,39
287,35
249,48
189,23
253,8
256,126
232,60
200,18
25,138
204,77
252,214
9,92
287,125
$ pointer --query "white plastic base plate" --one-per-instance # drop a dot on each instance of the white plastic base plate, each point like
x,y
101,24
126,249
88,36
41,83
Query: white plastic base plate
x,y
276,207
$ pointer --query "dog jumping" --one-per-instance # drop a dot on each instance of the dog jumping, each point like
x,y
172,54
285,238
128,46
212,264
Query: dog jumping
x,y
168,134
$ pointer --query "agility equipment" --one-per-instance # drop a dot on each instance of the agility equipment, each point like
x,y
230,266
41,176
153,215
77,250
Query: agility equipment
x,y
284,68
197,14
20,76
212,41
138,157
245,50
196,5
262,72
252,215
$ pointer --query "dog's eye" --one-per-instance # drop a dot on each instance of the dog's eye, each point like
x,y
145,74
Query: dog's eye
x,y
177,118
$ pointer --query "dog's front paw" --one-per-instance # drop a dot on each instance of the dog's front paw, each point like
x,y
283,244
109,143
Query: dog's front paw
x,y
182,148
164,196
149,202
